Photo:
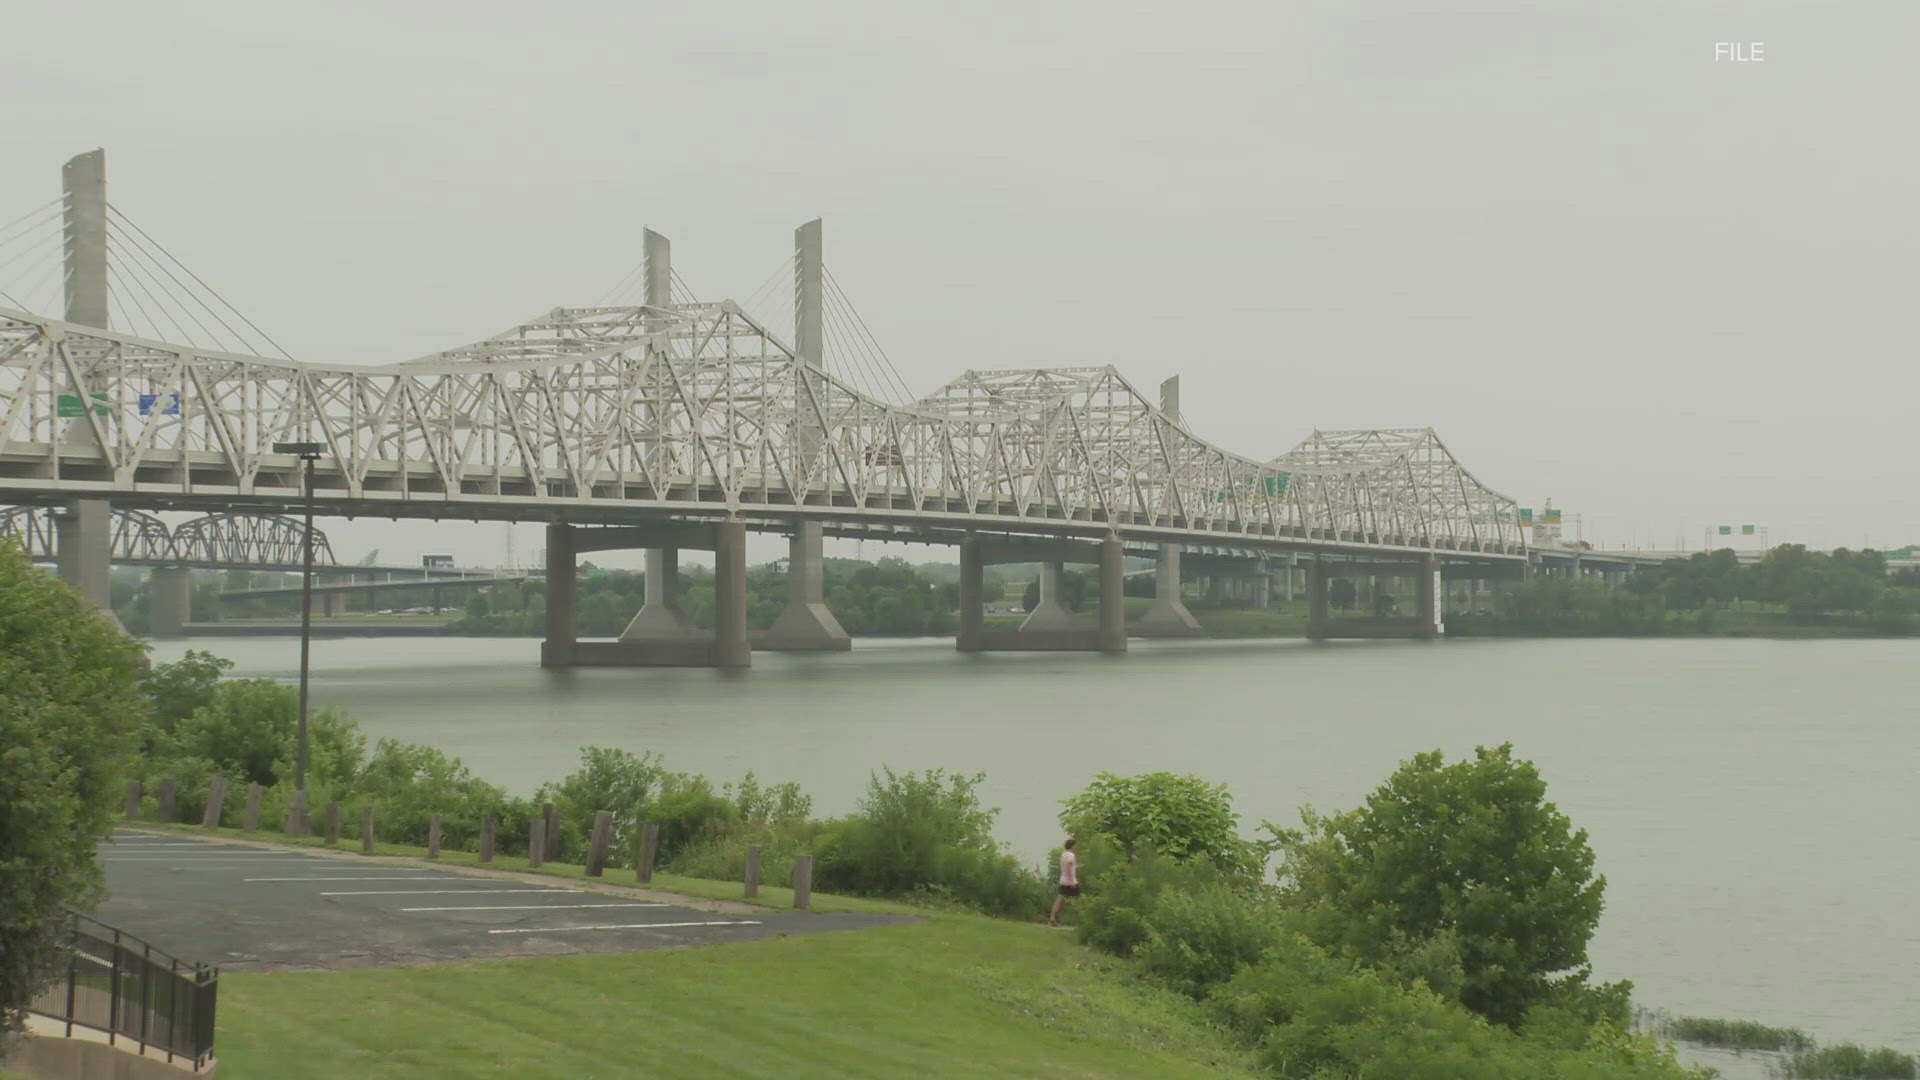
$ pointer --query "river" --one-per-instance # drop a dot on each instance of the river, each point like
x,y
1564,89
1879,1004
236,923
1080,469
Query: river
x,y
1751,802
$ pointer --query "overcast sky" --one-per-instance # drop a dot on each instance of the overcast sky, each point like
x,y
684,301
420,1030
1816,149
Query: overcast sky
x,y
1669,291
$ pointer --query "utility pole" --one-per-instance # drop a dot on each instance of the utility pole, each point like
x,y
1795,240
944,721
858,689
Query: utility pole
x,y
308,453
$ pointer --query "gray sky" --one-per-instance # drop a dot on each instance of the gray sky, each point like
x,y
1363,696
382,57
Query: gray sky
x,y
1667,291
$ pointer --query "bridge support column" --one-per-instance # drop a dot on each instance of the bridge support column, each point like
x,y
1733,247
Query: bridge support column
x,y
1168,617
731,648
1113,596
973,615
1430,596
562,598
1293,565
330,604
1048,612
83,550
1317,600
1262,586
169,601
806,624
659,618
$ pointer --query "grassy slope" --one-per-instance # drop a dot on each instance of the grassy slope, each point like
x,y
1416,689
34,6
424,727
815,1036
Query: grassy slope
x,y
954,996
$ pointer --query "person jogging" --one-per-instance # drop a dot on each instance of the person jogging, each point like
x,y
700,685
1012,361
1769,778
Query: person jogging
x,y
1069,881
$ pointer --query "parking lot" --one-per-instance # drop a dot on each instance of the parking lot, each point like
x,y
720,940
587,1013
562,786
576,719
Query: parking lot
x,y
255,908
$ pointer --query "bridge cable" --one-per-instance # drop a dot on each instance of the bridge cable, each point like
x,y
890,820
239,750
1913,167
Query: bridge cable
x,y
618,286
886,374
111,209
881,389
113,269
884,359
45,213
686,290
121,298
29,249
46,260
856,367
155,260
140,260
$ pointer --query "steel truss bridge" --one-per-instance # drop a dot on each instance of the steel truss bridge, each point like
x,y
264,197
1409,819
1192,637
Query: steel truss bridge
x,y
227,541
695,411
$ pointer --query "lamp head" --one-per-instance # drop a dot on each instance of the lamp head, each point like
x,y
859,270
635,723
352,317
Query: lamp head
x,y
305,450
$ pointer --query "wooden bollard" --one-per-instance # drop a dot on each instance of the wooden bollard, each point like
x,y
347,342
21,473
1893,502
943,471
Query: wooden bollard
x,y
597,849
551,819
649,846
753,870
366,831
133,800
803,881
536,843
487,825
252,820
333,823
433,836
167,788
216,803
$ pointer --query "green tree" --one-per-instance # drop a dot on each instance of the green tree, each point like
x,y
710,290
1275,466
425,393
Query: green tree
x,y
1470,850
175,691
1342,593
70,713
248,731
608,779
1181,816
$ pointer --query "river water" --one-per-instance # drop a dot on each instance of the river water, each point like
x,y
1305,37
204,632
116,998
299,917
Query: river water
x,y
1751,802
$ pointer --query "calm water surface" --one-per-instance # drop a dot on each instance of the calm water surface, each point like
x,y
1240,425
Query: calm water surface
x,y
1751,802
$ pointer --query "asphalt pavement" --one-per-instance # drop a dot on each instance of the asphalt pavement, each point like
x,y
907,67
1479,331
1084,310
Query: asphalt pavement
x,y
250,907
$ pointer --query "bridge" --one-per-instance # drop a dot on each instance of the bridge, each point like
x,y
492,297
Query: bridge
x,y
680,424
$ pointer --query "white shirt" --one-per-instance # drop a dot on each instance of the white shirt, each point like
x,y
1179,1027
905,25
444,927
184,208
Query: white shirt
x,y
1068,870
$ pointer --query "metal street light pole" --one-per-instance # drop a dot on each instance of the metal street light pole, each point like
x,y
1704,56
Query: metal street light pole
x,y
308,453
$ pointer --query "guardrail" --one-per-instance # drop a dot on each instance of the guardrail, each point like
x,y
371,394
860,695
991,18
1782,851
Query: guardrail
x,y
120,985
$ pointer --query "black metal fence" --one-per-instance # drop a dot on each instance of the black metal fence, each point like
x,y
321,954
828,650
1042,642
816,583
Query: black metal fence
x,y
117,984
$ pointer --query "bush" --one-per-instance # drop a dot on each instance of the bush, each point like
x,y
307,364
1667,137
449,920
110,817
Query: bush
x,y
925,834
1120,892
1734,1034
1181,816
1472,849
1198,939
688,811
1311,1013
608,779
1847,1061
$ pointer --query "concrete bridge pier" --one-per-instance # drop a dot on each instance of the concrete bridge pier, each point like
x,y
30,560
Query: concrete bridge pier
x,y
1317,615
83,551
727,646
1049,612
1168,617
806,625
170,601
977,553
659,618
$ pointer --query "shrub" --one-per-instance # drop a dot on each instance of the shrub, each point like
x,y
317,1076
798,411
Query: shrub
x,y
1198,939
608,779
1181,816
1311,1013
688,810
1120,892
1471,848
1734,1034
1847,1061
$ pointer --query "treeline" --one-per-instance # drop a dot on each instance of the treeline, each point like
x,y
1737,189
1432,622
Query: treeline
x,y
888,598
1789,589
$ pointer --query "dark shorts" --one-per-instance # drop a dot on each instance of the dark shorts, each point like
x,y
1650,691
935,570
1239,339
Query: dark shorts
x,y
1069,890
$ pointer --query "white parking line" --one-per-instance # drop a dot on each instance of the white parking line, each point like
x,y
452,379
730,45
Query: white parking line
x,y
528,907
441,892
388,879
205,858
629,926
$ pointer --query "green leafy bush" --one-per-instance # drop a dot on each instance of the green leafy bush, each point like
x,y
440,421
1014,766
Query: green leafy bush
x,y
1472,849
1181,816
1197,939
1847,1061
609,779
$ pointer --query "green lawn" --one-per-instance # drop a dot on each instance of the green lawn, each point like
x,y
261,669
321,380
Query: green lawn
x,y
955,996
